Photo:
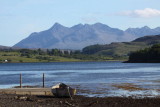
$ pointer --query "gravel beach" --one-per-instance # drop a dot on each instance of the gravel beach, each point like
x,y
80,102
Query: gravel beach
x,y
10,100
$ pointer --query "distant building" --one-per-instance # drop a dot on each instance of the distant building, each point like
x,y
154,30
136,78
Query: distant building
x,y
65,51
5,60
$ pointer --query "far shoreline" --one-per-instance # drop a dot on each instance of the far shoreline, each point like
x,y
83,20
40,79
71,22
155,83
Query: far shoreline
x,y
65,61
140,62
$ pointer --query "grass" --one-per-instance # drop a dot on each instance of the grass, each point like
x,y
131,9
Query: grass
x,y
9,54
64,59
15,57
18,59
121,49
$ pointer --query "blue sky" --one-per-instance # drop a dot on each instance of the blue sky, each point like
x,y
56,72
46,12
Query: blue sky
x,y
19,18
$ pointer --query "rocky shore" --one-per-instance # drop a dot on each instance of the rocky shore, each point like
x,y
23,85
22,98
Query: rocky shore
x,y
8,100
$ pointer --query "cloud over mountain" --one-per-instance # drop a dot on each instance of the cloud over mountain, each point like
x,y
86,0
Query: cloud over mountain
x,y
145,13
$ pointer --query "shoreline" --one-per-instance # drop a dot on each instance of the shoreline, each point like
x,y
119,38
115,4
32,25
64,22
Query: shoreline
x,y
111,90
138,62
64,61
76,101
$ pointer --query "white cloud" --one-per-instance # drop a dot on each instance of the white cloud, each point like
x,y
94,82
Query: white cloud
x,y
145,13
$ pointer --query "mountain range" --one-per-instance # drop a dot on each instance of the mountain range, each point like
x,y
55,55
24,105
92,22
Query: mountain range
x,y
80,36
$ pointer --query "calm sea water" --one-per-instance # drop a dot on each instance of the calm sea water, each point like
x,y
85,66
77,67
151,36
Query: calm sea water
x,y
90,78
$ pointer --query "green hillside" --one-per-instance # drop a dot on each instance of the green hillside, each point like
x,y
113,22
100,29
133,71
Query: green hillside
x,y
122,49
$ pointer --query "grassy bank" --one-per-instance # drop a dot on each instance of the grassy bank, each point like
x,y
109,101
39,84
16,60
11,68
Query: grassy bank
x,y
19,59
26,55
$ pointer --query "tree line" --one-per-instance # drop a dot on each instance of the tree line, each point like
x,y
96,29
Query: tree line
x,y
147,55
48,54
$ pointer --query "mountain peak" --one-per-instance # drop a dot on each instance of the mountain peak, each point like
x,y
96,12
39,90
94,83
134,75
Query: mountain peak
x,y
157,28
96,24
100,25
130,29
57,25
145,27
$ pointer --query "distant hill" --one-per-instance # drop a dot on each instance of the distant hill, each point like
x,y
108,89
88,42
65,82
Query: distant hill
x,y
122,48
143,31
80,36
4,47
149,39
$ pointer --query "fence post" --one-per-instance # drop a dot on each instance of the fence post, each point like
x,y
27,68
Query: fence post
x,y
20,80
43,80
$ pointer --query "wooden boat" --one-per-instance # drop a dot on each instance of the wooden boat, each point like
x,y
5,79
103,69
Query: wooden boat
x,y
62,90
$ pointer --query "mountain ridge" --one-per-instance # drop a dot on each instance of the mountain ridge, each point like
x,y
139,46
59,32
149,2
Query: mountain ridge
x,y
82,35
4,47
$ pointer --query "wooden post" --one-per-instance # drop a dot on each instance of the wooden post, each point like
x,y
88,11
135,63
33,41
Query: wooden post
x,y
20,80
43,80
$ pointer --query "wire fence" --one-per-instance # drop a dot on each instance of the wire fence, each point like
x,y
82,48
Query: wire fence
x,y
21,80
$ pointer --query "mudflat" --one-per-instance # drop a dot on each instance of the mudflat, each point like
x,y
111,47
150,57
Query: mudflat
x,y
13,100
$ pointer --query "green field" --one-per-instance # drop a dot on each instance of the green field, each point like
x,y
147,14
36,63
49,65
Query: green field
x,y
16,57
27,55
